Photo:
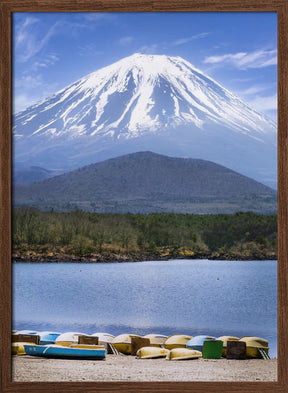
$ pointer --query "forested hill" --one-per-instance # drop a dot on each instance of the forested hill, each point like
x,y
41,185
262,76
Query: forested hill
x,y
146,182
49,236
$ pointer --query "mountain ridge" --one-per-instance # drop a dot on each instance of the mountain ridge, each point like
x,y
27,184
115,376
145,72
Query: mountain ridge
x,y
146,102
147,182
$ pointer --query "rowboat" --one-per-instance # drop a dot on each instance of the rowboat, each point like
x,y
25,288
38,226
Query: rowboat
x,y
197,342
177,341
156,340
122,343
19,340
104,337
59,351
152,353
256,347
48,337
18,348
225,339
183,354
68,338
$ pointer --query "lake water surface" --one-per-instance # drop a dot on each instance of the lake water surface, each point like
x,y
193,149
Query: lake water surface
x,y
179,296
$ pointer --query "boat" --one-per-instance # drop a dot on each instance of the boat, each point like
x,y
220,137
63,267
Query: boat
x,y
152,353
18,348
122,343
156,340
68,338
177,341
256,347
197,342
104,338
225,339
19,340
183,354
62,352
48,337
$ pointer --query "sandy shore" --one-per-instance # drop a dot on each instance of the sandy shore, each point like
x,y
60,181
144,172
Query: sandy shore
x,y
128,368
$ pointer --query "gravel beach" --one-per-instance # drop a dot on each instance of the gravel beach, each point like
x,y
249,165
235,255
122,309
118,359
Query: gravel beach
x,y
128,368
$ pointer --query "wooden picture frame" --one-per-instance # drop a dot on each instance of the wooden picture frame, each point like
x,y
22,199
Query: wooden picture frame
x,y
7,7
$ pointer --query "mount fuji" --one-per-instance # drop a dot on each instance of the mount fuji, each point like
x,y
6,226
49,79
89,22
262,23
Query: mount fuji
x,y
146,102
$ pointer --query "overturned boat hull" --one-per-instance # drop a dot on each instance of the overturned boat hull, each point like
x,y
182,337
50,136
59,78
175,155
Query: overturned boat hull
x,y
183,354
152,353
62,352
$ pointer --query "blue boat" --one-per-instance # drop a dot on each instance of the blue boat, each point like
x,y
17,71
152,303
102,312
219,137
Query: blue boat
x,y
60,352
197,342
48,337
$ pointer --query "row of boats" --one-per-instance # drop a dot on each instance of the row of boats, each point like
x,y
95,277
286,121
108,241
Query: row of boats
x,y
78,345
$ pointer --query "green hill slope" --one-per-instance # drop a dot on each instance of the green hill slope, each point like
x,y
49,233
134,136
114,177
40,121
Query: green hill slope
x,y
146,182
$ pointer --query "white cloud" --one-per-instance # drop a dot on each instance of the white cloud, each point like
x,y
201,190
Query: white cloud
x,y
125,40
243,60
149,49
185,40
264,104
28,39
29,90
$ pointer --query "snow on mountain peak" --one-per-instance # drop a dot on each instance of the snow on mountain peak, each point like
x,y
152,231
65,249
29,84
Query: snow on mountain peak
x,y
162,100
139,94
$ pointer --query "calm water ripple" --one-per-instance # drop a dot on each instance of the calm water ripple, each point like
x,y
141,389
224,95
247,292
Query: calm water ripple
x,y
183,296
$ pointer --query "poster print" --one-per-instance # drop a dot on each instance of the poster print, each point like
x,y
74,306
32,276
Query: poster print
x,y
149,107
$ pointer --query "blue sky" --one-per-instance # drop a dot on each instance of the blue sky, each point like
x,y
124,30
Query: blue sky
x,y
52,50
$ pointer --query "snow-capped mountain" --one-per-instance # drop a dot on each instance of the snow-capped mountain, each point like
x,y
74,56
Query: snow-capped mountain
x,y
146,102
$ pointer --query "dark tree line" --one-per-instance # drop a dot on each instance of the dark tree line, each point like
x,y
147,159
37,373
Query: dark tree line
x,y
81,233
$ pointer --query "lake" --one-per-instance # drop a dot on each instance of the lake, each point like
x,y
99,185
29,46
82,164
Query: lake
x,y
178,296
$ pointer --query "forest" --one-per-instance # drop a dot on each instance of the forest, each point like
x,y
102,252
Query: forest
x,y
52,236
79,235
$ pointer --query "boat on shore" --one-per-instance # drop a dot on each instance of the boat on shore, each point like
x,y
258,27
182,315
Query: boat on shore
x,y
256,347
225,339
177,341
197,342
183,354
156,340
48,337
68,338
76,351
123,343
152,353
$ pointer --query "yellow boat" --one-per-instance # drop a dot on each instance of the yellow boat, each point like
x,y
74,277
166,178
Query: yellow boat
x,y
156,340
225,339
256,347
18,348
152,353
122,343
87,346
177,341
183,354
68,338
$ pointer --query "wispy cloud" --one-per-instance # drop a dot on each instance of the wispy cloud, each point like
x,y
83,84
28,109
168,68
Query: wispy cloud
x,y
186,40
255,89
32,89
243,60
149,49
264,103
125,40
28,38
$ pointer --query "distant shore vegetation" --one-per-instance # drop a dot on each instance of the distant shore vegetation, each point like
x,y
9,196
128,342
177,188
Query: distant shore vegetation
x,y
92,237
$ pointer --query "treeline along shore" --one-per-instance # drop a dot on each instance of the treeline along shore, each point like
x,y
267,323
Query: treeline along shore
x,y
91,237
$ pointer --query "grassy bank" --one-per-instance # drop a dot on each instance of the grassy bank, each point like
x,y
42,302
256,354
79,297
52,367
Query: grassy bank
x,y
81,236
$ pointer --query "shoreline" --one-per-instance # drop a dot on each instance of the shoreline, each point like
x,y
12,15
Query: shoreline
x,y
116,258
122,368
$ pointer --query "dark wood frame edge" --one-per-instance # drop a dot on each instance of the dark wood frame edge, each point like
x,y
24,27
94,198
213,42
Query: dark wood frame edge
x,y
7,7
